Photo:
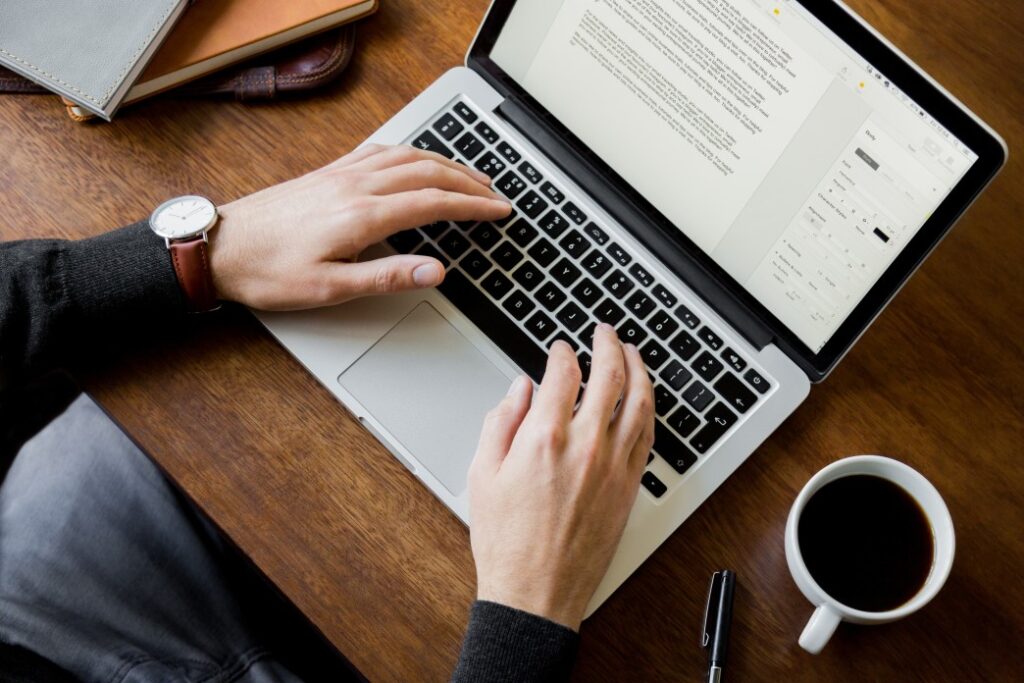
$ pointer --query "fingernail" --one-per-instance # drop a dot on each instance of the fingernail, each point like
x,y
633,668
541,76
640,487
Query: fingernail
x,y
516,383
631,348
426,275
606,327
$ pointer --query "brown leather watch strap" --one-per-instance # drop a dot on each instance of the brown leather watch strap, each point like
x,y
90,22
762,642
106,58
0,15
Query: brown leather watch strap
x,y
192,265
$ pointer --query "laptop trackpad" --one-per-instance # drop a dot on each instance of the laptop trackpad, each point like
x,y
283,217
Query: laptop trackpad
x,y
430,387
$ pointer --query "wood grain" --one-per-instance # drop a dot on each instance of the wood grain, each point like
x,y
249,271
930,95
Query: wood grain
x,y
383,569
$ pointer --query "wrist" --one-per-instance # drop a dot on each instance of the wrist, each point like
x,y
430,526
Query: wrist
x,y
551,605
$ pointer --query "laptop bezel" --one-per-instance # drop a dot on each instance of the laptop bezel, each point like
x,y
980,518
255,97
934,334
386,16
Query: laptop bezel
x,y
960,122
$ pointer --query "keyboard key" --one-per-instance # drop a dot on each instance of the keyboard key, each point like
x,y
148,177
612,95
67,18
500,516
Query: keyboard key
x,y
619,254
448,126
587,335
710,338
490,164
496,284
618,284
529,276
630,332
640,305
672,450
676,375
565,273
508,151
502,222
707,366
562,336
683,421
755,380
531,173
550,296
654,354
662,324
719,419
553,224
596,264
487,133
532,205
587,293
522,233
485,236
454,243
540,326
688,318
698,396
609,312
464,112
664,401
430,143
596,233
507,256
735,392
407,240
432,252
571,315
468,146
495,324
653,485
574,214
465,225
543,252
475,264
640,275
684,346
510,185
666,297
575,244
552,193
518,305
585,365
435,230
734,360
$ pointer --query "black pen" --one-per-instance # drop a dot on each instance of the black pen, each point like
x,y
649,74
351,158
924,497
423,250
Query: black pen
x,y
717,620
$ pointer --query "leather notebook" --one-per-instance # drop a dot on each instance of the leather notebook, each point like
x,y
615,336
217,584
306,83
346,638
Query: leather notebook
x,y
89,51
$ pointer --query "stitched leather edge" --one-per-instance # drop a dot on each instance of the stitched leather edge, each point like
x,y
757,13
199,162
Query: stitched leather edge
x,y
339,59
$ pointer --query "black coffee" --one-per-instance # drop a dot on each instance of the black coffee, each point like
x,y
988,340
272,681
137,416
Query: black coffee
x,y
866,542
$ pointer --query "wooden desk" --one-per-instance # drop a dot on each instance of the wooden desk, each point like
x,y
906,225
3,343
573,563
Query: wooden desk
x,y
384,570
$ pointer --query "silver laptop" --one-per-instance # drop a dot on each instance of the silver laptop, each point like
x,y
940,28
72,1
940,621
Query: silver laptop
x,y
738,186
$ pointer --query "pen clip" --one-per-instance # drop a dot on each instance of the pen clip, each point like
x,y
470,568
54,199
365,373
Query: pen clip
x,y
711,609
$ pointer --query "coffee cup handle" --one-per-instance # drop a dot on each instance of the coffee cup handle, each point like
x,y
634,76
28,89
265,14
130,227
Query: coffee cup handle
x,y
819,629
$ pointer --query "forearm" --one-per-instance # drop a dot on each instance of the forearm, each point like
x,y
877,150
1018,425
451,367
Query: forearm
x,y
59,296
506,644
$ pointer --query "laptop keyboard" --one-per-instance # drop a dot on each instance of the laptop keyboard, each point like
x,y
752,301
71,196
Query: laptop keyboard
x,y
550,272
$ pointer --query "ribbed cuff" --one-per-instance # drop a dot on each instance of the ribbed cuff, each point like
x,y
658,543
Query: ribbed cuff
x,y
121,276
506,644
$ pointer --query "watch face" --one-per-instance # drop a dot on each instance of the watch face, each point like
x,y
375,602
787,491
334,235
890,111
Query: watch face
x,y
183,217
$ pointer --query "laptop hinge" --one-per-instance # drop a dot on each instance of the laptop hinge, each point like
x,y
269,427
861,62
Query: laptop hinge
x,y
632,218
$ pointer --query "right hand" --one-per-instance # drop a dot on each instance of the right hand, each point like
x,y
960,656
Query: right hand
x,y
551,488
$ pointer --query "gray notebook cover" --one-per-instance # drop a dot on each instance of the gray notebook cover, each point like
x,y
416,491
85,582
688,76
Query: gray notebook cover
x,y
89,51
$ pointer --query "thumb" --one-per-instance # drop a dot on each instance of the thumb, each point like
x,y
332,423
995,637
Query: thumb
x,y
502,424
386,275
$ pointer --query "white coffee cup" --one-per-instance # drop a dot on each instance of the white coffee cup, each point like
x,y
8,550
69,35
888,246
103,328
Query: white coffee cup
x,y
829,611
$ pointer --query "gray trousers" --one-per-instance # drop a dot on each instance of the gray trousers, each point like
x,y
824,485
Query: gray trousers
x,y
108,573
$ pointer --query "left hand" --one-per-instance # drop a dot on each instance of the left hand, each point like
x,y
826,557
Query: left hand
x,y
289,247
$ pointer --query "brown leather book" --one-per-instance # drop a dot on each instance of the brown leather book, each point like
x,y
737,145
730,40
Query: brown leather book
x,y
215,34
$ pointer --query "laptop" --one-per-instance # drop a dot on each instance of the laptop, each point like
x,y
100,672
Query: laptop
x,y
738,186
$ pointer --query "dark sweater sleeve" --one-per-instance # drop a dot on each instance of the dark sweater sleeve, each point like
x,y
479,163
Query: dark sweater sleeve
x,y
57,297
506,644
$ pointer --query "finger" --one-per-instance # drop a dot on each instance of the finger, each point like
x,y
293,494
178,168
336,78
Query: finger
x,y
636,411
423,174
501,425
641,449
358,154
398,155
607,377
392,213
556,397
348,281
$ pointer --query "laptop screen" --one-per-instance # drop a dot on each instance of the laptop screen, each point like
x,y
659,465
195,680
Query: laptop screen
x,y
795,164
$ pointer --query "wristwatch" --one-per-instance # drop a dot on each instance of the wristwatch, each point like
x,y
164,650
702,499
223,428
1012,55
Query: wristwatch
x,y
185,223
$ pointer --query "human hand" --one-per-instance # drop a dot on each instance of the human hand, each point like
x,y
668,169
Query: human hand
x,y
550,489
288,247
